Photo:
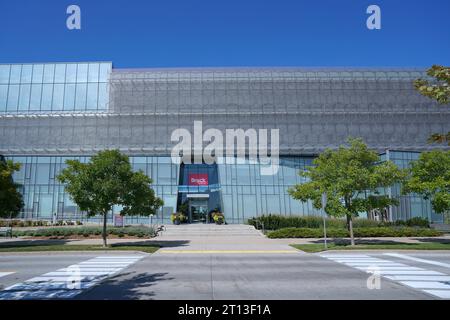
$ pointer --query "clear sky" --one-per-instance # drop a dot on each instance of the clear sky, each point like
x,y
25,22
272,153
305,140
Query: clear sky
x,y
173,33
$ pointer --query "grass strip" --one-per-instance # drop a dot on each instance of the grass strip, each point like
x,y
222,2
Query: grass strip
x,y
76,247
318,247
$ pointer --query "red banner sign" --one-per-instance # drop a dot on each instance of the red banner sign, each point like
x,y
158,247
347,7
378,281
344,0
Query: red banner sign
x,y
200,179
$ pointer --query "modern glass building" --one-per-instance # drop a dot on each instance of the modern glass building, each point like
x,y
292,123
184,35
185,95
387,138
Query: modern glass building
x,y
57,111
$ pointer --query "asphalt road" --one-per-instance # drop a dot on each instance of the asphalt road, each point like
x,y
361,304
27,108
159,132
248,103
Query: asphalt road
x,y
230,275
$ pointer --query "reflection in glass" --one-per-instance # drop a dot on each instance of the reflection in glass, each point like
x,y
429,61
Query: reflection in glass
x,y
16,70
4,74
58,97
24,99
25,76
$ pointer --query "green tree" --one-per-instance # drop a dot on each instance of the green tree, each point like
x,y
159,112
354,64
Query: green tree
x,y
11,200
430,177
380,203
347,175
439,90
108,180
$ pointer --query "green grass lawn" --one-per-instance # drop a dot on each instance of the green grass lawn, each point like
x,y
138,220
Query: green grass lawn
x,y
318,247
76,247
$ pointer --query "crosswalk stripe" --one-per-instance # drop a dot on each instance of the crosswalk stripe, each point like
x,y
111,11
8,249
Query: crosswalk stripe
x,y
405,268
69,281
444,294
418,272
4,274
419,278
81,273
436,283
427,284
402,256
384,264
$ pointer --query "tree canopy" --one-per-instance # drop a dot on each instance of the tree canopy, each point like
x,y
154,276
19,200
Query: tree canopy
x,y
108,180
430,177
348,176
11,200
439,90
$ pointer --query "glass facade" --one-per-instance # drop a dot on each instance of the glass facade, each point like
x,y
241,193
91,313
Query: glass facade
x,y
237,190
44,195
411,205
246,193
54,87
50,112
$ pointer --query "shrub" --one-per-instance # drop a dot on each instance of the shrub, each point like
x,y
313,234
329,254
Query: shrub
x,y
86,232
218,217
275,222
418,222
178,217
358,232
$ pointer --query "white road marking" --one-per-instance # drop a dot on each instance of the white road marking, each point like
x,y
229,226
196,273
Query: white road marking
x,y
419,278
420,272
4,274
382,268
402,256
427,284
383,264
68,282
444,294
436,283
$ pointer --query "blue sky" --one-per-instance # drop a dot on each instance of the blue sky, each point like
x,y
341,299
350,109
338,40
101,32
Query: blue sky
x,y
174,33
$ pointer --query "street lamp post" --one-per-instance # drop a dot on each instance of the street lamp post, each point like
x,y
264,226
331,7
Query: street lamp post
x,y
324,204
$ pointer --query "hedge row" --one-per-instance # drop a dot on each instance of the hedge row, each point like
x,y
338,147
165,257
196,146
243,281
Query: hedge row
x,y
15,223
275,222
358,232
140,232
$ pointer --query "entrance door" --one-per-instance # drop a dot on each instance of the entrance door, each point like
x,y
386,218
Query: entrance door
x,y
198,211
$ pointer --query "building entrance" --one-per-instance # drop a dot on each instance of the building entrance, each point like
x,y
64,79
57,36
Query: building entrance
x,y
198,211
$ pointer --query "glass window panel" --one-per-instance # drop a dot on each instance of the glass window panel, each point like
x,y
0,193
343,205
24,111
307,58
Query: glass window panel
x,y
102,95
24,99
4,73
42,173
69,97
82,72
38,72
3,97
16,69
92,95
35,98
104,72
25,76
60,73
80,101
49,72
58,97
93,72
47,93
13,97
71,73
45,205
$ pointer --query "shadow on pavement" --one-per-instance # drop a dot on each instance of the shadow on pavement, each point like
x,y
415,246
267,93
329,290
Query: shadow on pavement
x,y
359,241
125,286
434,240
30,243
160,243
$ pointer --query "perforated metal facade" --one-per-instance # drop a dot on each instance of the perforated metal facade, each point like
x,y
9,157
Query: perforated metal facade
x,y
314,109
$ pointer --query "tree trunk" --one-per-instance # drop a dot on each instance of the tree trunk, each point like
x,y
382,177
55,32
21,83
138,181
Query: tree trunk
x,y
348,222
105,215
350,226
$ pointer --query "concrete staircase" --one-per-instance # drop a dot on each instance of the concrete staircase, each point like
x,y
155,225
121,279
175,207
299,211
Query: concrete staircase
x,y
209,230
